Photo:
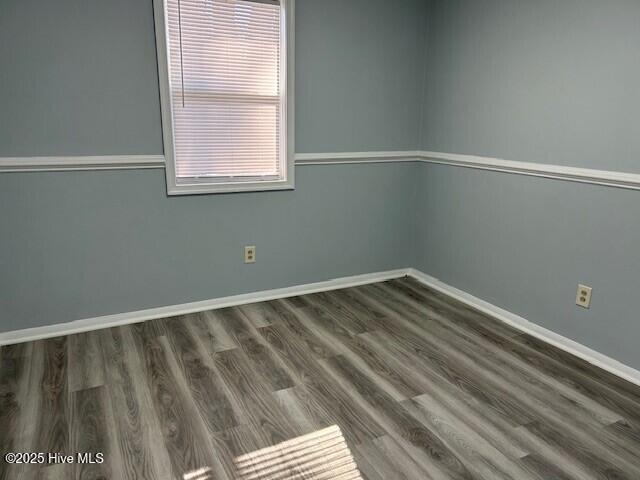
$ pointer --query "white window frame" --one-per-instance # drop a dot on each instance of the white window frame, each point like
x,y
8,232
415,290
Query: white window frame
x,y
287,140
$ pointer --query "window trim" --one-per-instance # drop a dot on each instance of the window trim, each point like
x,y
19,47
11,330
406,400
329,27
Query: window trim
x,y
288,110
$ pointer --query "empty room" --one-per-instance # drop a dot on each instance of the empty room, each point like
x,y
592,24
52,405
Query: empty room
x,y
320,239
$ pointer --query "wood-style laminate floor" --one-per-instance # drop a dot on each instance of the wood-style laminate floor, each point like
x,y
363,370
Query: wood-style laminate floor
x,y
404,380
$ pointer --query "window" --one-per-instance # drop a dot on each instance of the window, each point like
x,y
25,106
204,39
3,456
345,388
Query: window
x,y
226,87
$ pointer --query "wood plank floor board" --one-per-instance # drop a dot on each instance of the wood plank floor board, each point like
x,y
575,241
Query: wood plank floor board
x,y
326,318
11,371
609,381
368,470
267,364
314,408
205,386
303,411
234,323
324,329
428,354
261,314
52,472
525,385
492,425
16,350
474,451
536,402
606,445
521,378
292,351
623,387
184,435
138,429
576,381
363,312
544,382
44,421
515,347
52,434
86,369
626,399
626,434
449,319
253,397
387,458
376,363
593,458
229,444
419,385
451,308
149,329
290,344
405,425
323,397
329,302
93,432
487,423
208,328
29,402
580,387
357,423
296,319
344,326
517,375
390,456
496,423
321,400
332,332
543,470
468,313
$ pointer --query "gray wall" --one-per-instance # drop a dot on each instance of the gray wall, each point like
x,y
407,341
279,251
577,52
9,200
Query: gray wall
x,y
524,244
83,244
544,81
359,73
550,82
78,77
83,81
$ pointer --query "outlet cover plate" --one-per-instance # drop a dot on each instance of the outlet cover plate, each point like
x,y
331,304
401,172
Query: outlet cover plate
x,y
583,297
250,254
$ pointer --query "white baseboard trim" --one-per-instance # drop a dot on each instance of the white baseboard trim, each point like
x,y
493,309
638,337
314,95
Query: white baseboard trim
x,y
581,351
107,321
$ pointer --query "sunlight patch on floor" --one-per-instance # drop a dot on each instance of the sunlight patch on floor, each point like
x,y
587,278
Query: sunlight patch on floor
x,y
320,455
203,473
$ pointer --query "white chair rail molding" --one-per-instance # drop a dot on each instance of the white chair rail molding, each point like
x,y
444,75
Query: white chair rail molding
x,y
557,172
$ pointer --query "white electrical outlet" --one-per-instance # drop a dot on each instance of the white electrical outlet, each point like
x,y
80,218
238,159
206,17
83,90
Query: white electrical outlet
x,y
250,254
583,297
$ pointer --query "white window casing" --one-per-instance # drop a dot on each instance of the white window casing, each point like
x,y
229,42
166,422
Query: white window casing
x,y
226,84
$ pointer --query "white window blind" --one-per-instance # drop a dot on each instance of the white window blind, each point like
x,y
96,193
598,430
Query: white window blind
x,y
226,74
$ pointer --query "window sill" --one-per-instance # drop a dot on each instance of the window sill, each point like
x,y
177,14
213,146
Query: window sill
x,y
205,189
